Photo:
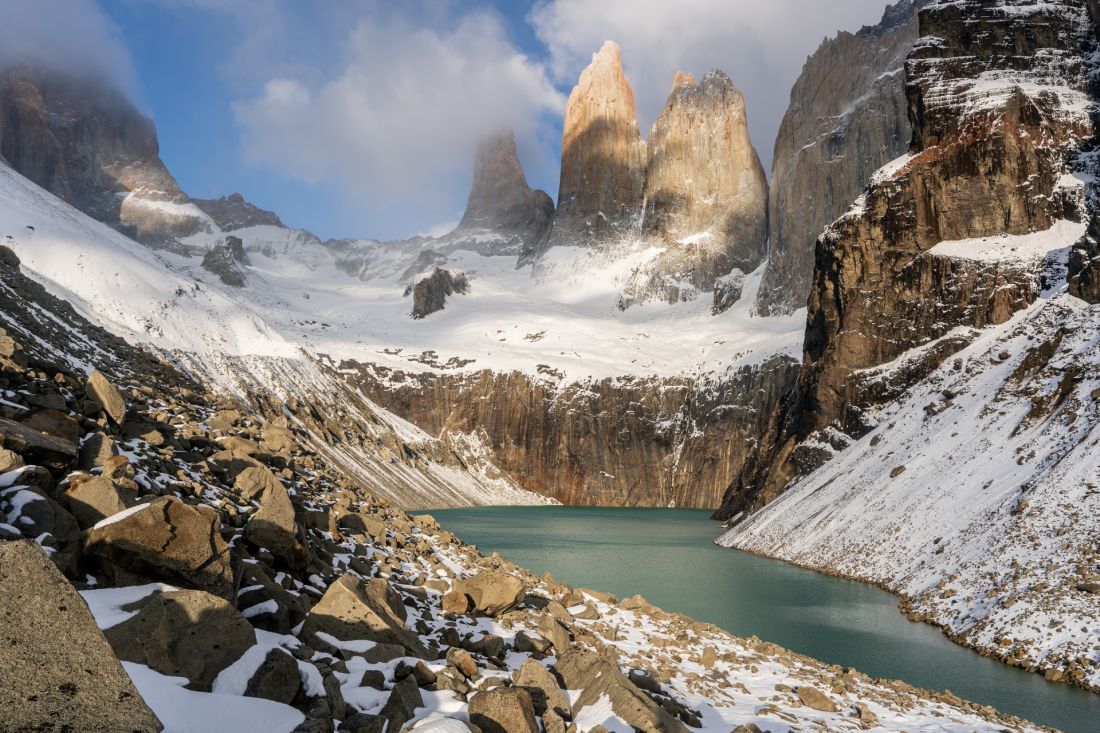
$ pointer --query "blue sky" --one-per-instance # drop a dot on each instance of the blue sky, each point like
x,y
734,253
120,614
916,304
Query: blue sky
x,y
359,118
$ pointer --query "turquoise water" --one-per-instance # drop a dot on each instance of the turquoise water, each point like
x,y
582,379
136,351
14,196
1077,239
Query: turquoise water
x,y
667,555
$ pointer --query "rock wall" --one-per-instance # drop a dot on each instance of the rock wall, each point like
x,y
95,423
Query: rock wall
x,y
634,442
847,118
84,142
999,104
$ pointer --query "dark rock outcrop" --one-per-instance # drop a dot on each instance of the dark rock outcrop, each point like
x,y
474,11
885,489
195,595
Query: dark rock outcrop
x,y
430,293
226,260
235,212
847,118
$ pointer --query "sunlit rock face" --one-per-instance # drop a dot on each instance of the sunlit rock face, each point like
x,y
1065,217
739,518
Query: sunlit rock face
x,y
603,158
84,142
848,117
500,199
706,195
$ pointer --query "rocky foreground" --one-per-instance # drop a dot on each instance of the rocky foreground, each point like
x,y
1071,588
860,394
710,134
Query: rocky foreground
x,y
210,571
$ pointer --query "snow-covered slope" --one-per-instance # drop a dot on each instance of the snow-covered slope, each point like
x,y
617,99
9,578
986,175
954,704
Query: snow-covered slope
x,y
563,312
977,496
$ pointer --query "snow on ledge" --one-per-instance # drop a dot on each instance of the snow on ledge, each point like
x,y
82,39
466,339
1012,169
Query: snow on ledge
x,y
1022,248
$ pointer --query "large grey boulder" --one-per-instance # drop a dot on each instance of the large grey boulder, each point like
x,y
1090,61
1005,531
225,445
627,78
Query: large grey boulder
x,y
95,499
352,610
183,633
167,541
543,688
58,672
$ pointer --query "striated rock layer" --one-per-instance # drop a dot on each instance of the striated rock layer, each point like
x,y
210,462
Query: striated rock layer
x,y
705,189
999,103
603,157
633,442
847,118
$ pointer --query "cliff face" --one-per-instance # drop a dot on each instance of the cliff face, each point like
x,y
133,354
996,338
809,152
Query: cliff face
x,y
622,442
234,212
705,189
999,104
602,156
500,199
88,145
847,118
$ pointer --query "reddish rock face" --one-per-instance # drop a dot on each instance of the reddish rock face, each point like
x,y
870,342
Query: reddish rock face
x,y
847,118
998,97
500,199
603,156
706,197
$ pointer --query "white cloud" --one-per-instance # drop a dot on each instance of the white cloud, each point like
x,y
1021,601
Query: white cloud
x,y
404,109
761,44
65,35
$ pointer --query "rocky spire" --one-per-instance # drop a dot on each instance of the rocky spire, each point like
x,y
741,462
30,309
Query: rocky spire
x,y
703,174
603,155
500,198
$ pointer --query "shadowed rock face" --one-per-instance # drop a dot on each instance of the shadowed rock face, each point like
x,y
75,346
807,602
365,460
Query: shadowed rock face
x,y
987,158
83,142
847,118
603,156
500,199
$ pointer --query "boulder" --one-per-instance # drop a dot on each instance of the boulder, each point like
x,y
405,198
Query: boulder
x,y
461,660
598,676
39,517
543,688
404,699
353,610
56,454
10,460
165,540
95,499
273,527
557,634
365,523
183,633
11,351
95,450
276,678
58,670
492,593
503,710
55,423
813,698
99,388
